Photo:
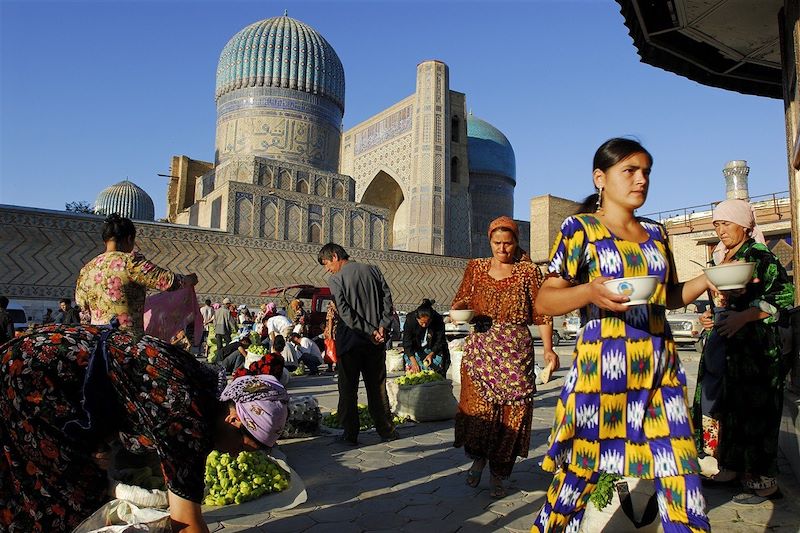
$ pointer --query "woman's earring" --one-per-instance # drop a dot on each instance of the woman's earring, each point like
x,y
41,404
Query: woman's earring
x,y
599,199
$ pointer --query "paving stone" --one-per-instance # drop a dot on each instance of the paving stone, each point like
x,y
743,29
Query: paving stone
x,y
372,521
338,527
291,524
334,513
425,511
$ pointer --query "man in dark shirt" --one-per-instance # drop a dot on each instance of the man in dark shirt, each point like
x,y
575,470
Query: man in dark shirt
x,y
232,355
364,303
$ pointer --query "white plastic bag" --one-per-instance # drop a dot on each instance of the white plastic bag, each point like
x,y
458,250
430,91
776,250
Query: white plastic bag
x,y
120,516
394,361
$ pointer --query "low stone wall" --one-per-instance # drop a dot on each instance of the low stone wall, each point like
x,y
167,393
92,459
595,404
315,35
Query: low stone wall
x,y
42,251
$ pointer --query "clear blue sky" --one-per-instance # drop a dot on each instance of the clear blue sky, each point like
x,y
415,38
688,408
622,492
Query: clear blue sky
x,y
94,92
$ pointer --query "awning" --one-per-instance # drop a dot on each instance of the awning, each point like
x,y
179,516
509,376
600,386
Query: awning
x,y
731,44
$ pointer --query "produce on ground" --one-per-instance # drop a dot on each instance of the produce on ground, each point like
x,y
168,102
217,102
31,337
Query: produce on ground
x,y
242,478
364,419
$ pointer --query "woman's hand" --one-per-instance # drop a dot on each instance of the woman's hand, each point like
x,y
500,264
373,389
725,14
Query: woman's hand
x,y
414,366
730,322
461,304
185,515
551,359
603,298
428,359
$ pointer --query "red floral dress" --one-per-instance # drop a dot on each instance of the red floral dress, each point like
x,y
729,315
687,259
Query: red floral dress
x,y
153,396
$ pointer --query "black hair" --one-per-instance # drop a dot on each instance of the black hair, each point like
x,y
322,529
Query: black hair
x,y
609,154
246,341
117,228
207,301
278,344
327,252
65,301
295,334
3,302
425,309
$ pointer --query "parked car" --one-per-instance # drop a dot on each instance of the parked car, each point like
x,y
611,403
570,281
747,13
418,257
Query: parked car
x,y
455,331
685,325
573,325
559,330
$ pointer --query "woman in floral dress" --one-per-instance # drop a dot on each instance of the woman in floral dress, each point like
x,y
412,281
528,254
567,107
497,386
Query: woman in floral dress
x,y
623,408
495,410
67,391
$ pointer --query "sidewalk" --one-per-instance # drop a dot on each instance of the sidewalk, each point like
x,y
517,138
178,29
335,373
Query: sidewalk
x,y
416,483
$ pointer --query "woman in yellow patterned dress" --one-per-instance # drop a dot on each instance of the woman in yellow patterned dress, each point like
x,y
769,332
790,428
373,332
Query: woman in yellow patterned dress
x,y
623,408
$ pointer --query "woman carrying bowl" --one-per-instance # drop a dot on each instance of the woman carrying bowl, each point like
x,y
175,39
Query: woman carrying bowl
x,y
739,395
495,410
623,408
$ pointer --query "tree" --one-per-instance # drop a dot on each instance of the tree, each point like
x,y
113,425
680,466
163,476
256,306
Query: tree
x,y
81,206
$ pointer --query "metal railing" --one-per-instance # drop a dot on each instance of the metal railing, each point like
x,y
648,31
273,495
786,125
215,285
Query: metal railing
x,y
772,203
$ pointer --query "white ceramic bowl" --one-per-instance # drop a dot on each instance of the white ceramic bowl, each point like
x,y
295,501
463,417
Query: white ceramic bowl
x,y
638,288
730,275
461,315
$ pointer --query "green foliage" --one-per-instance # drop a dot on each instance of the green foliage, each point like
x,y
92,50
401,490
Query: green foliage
x,y
604,490
81,206
426,376
247,477
364,419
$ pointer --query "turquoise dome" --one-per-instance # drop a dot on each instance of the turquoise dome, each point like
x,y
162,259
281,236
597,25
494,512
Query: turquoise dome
x,y
281,52
126,199
489,150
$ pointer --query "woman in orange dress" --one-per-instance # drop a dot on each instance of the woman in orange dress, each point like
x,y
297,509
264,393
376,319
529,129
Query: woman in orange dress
x,y
493,422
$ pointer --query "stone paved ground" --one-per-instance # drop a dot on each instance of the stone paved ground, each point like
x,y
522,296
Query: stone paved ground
x,y
416,483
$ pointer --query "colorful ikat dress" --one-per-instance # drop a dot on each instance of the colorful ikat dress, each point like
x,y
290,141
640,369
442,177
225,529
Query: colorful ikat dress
x,y
623,408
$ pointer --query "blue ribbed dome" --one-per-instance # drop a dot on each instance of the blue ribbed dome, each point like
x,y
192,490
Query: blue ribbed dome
x,y
281,52
127,199
489,150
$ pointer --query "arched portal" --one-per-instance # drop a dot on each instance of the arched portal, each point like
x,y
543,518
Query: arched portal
x,y
384,191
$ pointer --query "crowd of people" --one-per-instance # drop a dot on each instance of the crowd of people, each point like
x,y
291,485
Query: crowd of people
x,y
622,409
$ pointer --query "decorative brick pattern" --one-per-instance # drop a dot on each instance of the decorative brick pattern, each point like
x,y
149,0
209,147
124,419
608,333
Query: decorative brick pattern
x,y
41,253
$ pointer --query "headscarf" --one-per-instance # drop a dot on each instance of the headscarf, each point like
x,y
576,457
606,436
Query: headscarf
x,y
270,309
739,212
261,404
506,223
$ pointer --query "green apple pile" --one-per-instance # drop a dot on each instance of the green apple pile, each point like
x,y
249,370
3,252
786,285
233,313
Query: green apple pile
x,y
364,419
242,478
258,349
426,376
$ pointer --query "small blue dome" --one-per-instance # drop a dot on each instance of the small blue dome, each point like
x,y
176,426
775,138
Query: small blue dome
x,y
281,52
126,199
489,150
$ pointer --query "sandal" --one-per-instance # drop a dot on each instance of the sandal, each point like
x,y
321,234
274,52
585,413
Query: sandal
x,y
474,476
498,491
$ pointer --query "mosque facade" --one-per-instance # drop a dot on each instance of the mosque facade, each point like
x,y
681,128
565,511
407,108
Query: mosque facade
x,y
409,178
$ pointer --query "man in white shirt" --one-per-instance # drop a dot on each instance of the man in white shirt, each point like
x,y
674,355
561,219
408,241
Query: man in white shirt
x,y
308,350
207,312
278,325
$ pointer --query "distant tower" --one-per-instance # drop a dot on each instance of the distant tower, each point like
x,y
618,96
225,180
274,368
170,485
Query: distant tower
x,y
280,95
736,173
